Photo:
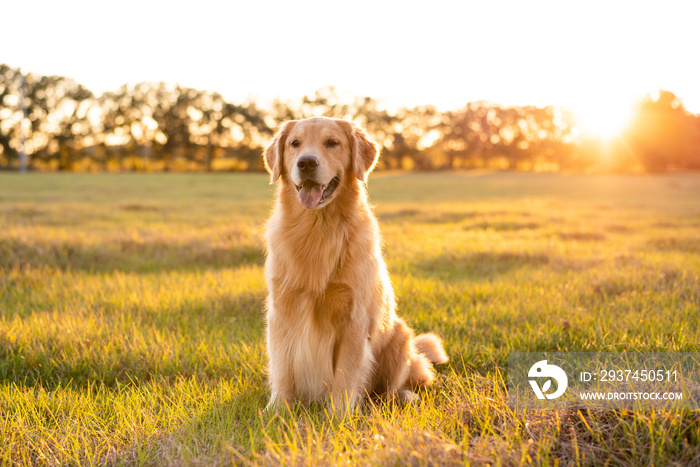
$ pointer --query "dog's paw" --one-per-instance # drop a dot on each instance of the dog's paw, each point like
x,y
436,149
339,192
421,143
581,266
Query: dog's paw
x,y
343,406
407,397
272,407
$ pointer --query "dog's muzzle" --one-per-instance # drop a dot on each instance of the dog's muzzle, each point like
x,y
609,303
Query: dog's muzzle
x,y
312,194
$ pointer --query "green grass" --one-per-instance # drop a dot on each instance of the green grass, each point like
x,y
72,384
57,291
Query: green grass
x,y
131,318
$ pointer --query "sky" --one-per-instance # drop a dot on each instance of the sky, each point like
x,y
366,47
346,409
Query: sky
x,y
586,55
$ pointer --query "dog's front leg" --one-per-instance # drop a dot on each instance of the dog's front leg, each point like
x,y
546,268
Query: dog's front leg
x,y
280,375
353,364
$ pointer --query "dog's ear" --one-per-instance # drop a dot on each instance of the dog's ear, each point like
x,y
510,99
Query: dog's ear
x,y
274,153
365,152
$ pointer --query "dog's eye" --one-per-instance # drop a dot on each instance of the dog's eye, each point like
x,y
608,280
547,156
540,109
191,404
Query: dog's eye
x,y
331,143
295,143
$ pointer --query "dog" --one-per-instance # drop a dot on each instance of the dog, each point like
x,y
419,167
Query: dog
x,y
332,329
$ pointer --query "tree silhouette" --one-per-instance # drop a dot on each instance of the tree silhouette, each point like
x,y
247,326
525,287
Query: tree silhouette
x,y
155,126
664,135
7,119
55,115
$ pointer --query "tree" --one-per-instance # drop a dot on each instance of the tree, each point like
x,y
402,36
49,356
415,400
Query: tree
x,y
55,116
663,135
155,126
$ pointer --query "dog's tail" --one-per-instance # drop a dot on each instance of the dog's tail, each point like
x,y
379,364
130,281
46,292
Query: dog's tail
x,y
430,345
428,351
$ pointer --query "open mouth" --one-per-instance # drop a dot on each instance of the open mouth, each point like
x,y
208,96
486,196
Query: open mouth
x,y
312,194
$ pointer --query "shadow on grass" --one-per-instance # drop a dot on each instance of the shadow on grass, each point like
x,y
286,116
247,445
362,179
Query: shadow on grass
x,y
502,226
664,279
454,217
582,236
689,244
416,215
476,265
126,254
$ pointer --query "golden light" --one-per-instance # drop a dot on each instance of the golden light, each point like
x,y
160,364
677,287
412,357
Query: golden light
x,y
603,119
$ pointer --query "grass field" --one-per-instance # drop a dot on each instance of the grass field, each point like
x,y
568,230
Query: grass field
x,y
131,318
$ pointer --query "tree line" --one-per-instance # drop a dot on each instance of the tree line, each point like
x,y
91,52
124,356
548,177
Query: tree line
x,y
61,125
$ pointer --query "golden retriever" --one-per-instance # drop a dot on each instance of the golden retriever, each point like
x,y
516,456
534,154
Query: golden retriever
x,y
332,329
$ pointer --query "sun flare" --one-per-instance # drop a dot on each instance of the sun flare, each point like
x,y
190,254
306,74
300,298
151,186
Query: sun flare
x,y
604,120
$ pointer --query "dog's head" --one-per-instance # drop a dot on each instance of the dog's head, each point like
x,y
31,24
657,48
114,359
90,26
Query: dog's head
x,y
319,154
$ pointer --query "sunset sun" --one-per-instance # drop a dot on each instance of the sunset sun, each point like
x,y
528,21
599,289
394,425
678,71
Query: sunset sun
x,y
603,120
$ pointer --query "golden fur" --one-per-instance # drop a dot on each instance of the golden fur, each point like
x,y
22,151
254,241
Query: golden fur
x,y
331,325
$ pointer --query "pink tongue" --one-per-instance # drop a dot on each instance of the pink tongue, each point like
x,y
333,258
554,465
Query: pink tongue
x,y
310,195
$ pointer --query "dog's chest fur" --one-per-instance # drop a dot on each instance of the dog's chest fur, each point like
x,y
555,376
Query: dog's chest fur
x,y
312,306
312,260
312,337
309,329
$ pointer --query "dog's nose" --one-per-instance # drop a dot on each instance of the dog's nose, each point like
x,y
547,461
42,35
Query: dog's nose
x,y
307,163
